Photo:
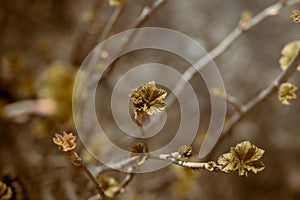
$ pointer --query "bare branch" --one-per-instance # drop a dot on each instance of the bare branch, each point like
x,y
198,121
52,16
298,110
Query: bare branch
x,y
147,12
111,22
263,95
234,102
144,16
226,43
121,165
125,182
94,180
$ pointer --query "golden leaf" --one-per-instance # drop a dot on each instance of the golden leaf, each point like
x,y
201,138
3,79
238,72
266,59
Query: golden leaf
x,y
148,99
296,16
286,93
139,150
244,158
109,185
288,52
185,152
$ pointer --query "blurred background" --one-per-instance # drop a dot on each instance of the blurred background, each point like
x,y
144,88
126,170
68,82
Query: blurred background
x,y
43,43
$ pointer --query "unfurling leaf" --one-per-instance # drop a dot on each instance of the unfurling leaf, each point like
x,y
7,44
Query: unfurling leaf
x,y
149,96
245,17
185,152
286,93
296,16
244,158
109,185
139,150
211,166
148,99
65,142
288,52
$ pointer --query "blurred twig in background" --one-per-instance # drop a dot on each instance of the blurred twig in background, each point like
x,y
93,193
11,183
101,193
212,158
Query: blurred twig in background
x,y
226,43
263,95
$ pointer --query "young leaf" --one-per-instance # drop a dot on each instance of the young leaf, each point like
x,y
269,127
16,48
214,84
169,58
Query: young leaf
x,y
286,93
296,16
244,158
288,52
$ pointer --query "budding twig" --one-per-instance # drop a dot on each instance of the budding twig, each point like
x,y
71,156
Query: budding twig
x,y
225,44
191,165
263,95
143,17
148,12
95,182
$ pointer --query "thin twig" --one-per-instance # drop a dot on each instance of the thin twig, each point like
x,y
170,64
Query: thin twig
x,y
125,182
79,34
77,161
147,12
111,22
263,95
191,165
234,102
225,44
95,182
20,111
143,17
120,165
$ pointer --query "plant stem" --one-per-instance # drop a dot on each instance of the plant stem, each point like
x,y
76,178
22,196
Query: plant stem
x,y
126,181
255,101
191,165
78,162
225,44
111,22
143,17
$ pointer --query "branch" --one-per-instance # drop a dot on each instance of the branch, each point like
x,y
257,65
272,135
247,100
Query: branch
x,y
121,165
226,43
144,16
234,102
125,182
210,166
111,22
78,162
79,34
147,12
263,95
20,111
